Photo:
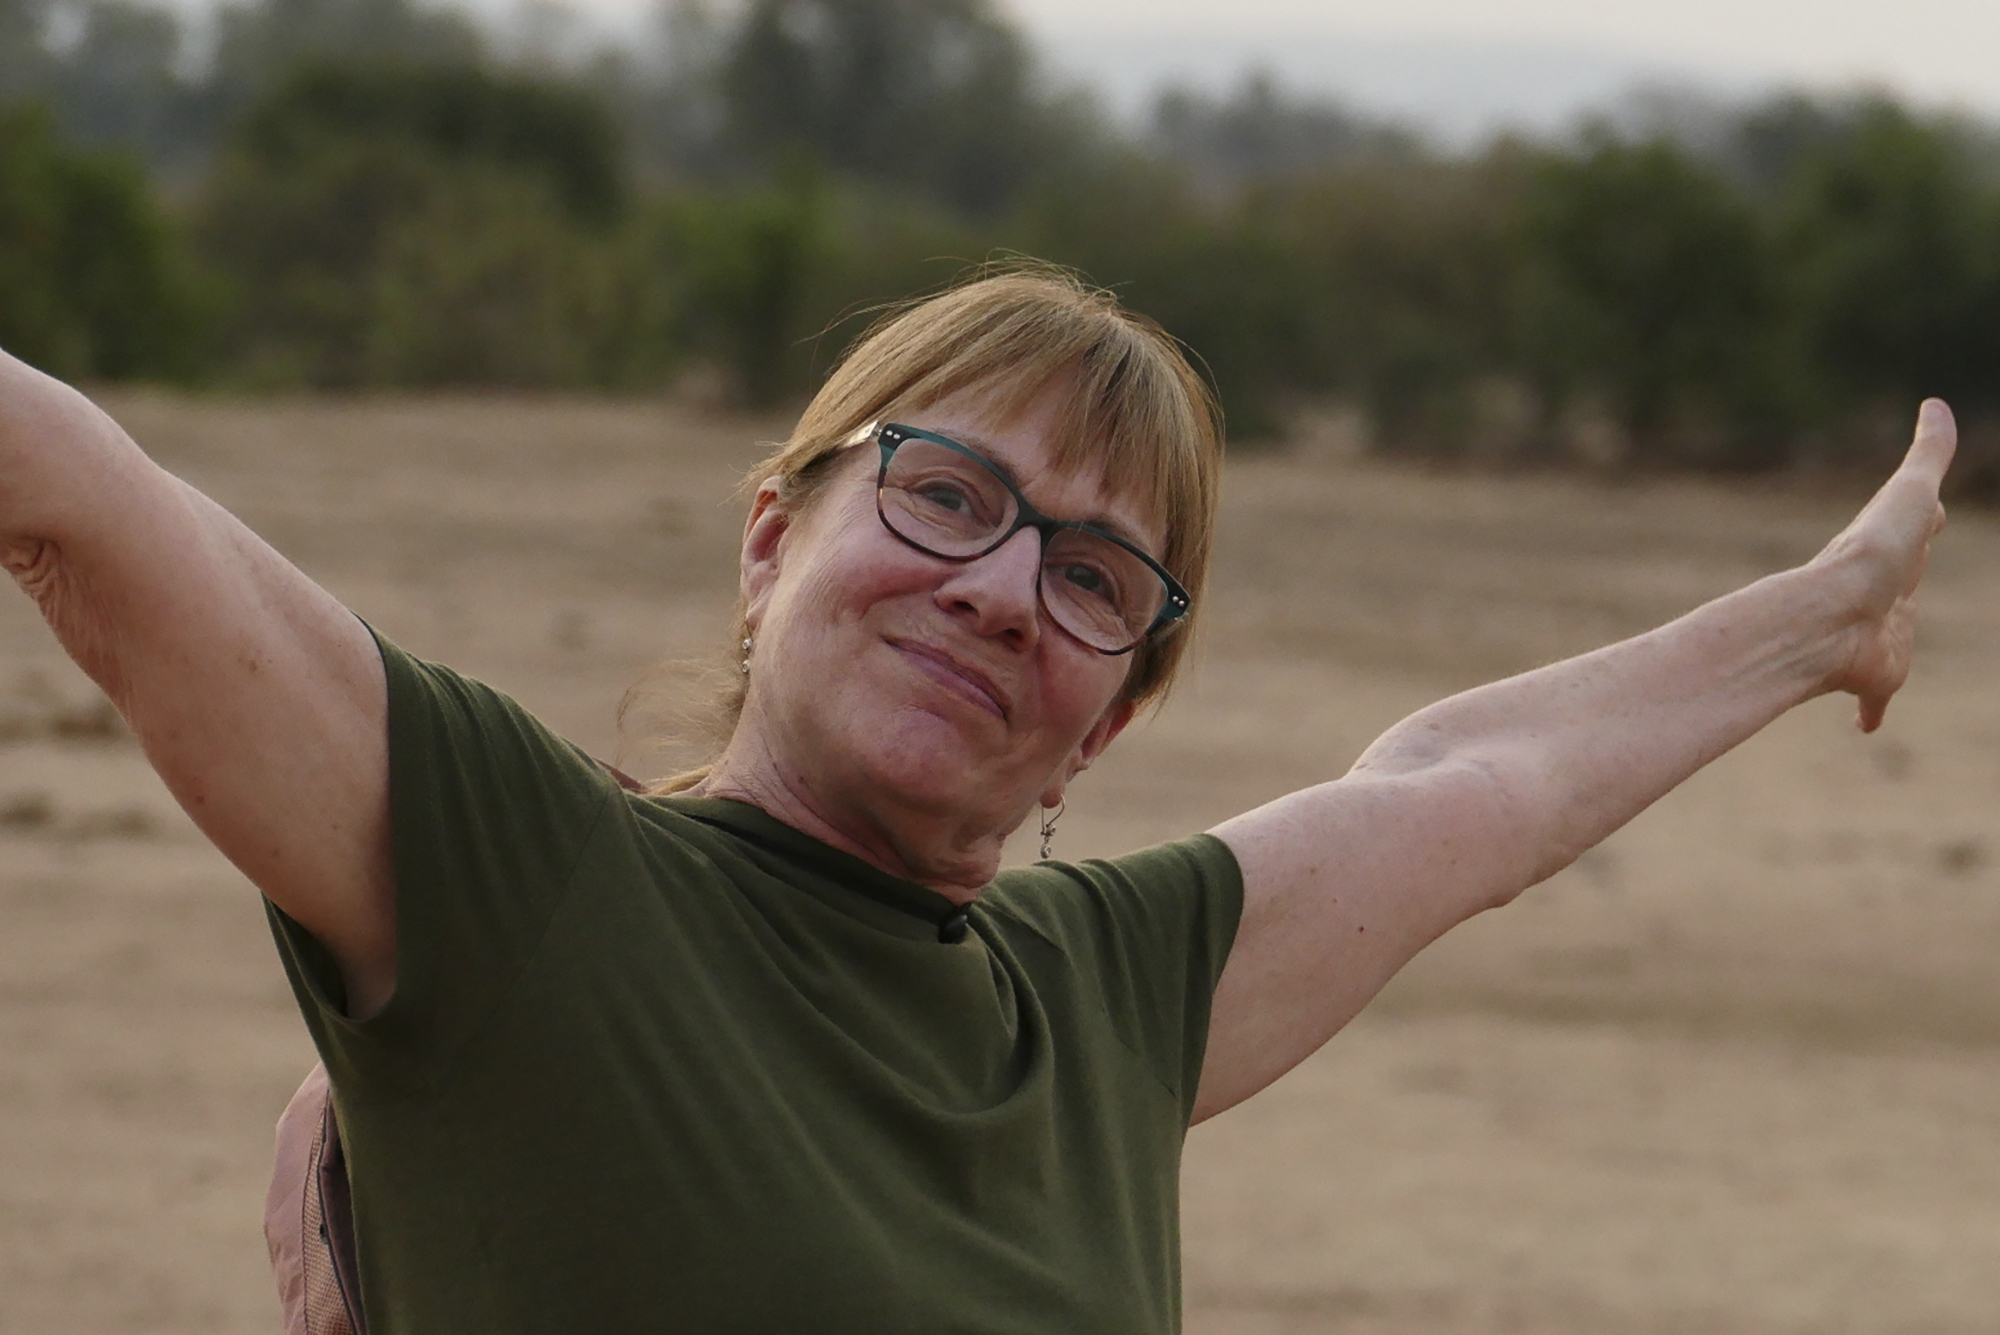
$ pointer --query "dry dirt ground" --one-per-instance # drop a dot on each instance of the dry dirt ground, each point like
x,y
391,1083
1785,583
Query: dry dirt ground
x,y
1738,1071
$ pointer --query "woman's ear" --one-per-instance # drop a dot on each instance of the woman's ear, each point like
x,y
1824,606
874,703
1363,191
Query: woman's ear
x,y
1108,726
763,549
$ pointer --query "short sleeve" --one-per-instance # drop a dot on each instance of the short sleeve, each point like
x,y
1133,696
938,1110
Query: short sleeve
x,y
491,813
1147,934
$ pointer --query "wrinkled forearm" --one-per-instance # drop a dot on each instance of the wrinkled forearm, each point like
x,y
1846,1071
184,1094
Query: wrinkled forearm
x,y
1572,751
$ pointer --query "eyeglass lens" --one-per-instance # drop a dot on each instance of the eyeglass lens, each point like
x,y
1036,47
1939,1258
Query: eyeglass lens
x,y
949,505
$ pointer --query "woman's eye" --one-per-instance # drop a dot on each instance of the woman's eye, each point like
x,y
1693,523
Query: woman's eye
x,y
946,496
1089,579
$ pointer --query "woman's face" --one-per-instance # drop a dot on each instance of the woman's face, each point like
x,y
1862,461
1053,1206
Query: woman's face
x,y
888,683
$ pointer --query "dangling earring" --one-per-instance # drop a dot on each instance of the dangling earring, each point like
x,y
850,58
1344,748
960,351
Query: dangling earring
x,y
747,642
1049,827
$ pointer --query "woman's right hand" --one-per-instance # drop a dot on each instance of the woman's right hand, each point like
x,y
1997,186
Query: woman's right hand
x,y
258,697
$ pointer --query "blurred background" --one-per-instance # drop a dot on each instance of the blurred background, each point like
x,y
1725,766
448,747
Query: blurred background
x,y
1538,322
1740,237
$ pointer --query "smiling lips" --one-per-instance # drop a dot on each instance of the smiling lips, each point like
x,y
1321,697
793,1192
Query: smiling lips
x,y
960,675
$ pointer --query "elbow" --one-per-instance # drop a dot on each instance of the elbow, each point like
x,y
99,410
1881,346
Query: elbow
x,y
1495,819
1524,825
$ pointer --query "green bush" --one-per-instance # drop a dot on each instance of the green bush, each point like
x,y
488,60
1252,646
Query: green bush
x,y
746,263
1407,277
1892,233
769,283
1647,291
936,96
93,280
445,226
488,282
1779,283
460,114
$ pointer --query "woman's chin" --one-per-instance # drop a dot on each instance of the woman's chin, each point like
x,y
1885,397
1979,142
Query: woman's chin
x,y
930,762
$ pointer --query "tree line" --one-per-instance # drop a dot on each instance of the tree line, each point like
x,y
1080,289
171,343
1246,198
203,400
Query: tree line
x,y
346,193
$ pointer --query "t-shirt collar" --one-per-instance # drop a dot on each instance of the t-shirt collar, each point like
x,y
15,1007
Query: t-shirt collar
x,y
844,869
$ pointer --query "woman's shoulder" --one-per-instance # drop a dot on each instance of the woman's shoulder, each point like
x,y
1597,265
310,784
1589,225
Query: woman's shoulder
x,y
1163,895
1142,937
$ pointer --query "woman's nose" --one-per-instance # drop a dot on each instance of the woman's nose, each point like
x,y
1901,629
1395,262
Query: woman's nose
x,y
1000,592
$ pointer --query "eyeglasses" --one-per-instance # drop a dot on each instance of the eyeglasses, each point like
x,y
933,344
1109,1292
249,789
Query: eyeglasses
x,y
945,500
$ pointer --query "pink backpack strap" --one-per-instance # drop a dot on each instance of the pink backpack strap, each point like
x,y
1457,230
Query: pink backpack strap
x,y
309,1218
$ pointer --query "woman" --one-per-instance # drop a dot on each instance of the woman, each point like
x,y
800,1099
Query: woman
x,y
779,1048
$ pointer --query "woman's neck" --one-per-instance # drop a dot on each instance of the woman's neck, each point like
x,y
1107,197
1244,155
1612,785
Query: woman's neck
x,y
951,855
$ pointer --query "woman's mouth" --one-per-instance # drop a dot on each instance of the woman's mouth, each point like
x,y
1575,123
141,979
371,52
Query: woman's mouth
x,y
957,676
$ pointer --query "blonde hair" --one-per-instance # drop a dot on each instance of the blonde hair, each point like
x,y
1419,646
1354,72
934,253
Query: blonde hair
x,y
1130,404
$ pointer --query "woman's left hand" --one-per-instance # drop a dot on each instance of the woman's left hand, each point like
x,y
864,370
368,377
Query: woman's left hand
x,y
1465,804
1883,554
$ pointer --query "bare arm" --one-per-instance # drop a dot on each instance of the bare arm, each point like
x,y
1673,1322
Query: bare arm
x,y
1465,804
258,698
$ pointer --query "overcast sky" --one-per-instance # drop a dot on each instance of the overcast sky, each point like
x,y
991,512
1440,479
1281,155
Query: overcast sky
x,y
1462,63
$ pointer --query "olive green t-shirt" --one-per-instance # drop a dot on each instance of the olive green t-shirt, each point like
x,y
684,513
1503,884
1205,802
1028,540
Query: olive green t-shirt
x,y
670,1065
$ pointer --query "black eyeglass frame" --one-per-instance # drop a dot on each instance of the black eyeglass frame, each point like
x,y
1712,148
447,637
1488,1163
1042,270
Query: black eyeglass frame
x,y
890,435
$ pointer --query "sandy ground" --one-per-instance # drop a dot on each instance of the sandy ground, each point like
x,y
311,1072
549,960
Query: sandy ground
x,y
1737,1071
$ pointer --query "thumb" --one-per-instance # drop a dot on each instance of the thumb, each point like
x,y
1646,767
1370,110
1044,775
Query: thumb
x,y
1934,444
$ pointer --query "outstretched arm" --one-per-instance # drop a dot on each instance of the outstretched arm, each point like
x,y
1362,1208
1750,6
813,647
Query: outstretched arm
x,y
259,699
1465,804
